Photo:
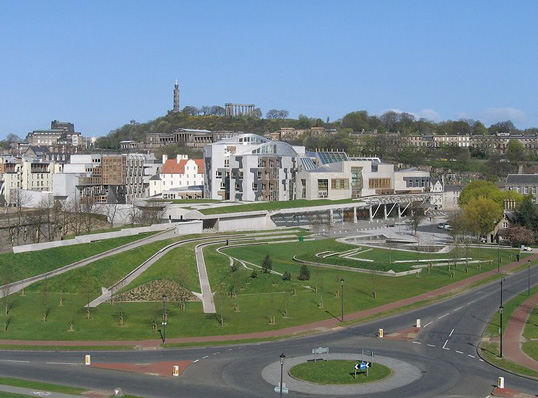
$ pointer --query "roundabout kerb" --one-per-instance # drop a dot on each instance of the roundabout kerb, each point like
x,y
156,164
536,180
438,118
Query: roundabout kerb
x,y
403,373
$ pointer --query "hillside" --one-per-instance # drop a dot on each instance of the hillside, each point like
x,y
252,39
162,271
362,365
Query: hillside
x,y
170,122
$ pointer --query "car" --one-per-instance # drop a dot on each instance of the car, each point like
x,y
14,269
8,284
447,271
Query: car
x,y
448,227
526,248
441,225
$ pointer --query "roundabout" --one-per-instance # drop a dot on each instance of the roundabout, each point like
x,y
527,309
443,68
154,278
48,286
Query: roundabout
x,y
403,373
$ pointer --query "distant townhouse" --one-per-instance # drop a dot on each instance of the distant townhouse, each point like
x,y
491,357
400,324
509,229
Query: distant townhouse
x,y
525,184
60,133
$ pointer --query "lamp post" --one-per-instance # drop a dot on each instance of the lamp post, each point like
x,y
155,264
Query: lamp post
x,y
501,321
498,254
164,318
282,356
529,278
342,285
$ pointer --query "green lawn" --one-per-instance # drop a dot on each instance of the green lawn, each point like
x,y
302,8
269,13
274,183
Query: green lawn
x,y
245,304
338,372
14,267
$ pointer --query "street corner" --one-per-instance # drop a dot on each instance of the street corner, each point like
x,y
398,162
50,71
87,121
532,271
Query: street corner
x,y
162,369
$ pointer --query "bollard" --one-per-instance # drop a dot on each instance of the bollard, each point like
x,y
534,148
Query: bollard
x,y
87,360
418,322
500,383
118,392
175,372
380,335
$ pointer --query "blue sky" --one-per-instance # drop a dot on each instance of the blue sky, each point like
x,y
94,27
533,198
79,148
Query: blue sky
x,y
100,64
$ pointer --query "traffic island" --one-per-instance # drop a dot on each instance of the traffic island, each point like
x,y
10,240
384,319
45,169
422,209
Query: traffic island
x,y
400,374
339,372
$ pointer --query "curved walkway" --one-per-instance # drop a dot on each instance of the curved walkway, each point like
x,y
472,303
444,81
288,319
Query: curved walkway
x,y
513,335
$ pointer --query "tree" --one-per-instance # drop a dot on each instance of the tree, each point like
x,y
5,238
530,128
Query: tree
x,y
217,111
191,111
286,276
518,235
304,273
526,214
267,264
483,214
277,114
416,216
515,151
357,121
256,113
502,128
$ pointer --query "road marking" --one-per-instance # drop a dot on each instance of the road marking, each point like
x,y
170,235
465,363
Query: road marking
x,y
442,316
481,360
459,308
230,349
429,323
444,345
62,363
431,345
469,355
13,360
416,342
215,353
451,333
459,352
207,356
196,360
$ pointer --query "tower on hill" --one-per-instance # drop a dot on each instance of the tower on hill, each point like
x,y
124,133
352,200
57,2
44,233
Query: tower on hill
x,y
176,98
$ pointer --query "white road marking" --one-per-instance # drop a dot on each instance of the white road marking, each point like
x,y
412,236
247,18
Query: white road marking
x,y
429,323
459,308
196,360
13,360
451,333
481,360
442,316
459,352
215,353
62,363
469,355
444,345
431,345
207,356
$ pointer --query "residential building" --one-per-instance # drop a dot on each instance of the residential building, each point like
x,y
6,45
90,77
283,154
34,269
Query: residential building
x,y
525,184
178,173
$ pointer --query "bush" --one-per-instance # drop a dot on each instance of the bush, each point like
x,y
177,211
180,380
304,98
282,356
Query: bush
x,y
254,274
267,264
286,276
304,273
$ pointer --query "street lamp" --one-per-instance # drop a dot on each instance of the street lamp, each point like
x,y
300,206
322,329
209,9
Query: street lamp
x,y
342,285
282,356
498,254
164,318
501,320
529,277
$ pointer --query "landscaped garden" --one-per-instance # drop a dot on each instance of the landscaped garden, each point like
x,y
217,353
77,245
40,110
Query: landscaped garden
x,y
247,299
338,372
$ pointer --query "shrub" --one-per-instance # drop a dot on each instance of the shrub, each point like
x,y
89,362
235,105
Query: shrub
x,y
304,273
286,276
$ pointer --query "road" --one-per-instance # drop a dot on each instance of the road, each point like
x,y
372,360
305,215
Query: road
x,y
444,351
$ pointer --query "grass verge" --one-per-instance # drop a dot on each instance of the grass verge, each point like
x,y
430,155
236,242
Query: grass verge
x,y
338,372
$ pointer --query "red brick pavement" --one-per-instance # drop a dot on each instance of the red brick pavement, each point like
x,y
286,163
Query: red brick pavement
x,y
513,335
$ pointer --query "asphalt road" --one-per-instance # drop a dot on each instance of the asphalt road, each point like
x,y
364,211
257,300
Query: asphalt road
x,y
445,352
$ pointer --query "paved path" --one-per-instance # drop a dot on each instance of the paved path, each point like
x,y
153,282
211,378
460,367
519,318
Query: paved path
x,y
513,336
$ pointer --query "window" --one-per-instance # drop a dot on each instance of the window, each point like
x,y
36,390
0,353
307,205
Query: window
x,y
323,188
375,183
339,183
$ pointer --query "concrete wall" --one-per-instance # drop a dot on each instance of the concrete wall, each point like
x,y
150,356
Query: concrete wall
x,y
180,229
245,223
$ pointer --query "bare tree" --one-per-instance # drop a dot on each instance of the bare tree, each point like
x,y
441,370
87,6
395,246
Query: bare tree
x,y
416,216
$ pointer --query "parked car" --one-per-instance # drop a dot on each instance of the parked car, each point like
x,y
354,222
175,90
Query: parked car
x,y
441,225
448,227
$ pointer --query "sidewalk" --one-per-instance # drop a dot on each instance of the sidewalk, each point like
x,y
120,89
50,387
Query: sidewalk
x,y
513,335
320,325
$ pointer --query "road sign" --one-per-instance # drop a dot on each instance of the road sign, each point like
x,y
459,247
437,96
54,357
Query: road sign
x,y
357,366
320,350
